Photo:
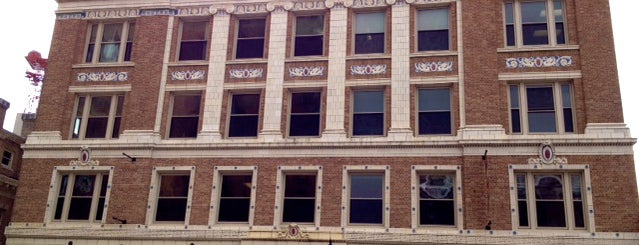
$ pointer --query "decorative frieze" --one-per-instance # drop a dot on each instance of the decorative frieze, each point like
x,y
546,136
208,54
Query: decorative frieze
x,y
342,3
537,62
306,71
152,12
425,67
196,11
85,158
188,75
368,3
246,73
111,13
70,16
271,6
293,231
103,77
311,5
547,156
368,69
250,8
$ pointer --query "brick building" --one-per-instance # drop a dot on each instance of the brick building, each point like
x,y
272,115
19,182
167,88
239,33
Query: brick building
x,y
9,169
329,121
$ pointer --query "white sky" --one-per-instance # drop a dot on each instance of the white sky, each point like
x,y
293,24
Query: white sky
x,y
28,25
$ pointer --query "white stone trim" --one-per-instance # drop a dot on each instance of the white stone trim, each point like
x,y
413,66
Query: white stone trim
x,y
100,88
103,77
184,87
188,75
154,191
555,75
460,64
346,174
218,172
280,188
163,76
458,196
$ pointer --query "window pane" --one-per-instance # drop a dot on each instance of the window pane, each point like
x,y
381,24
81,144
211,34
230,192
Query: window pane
x,y
434,100
540,98
100,106
80,208
245,104
300,186
559,21
309,45
548,187
368,101
433,40
99,213
194,31
309,25
186,105
436,187
533,12
367,186
435,122
304,125
250,48
551,214
243,126
252,28
436,212
193,50
534,24
174,186
112,32
236,185
305,102
432,19
370,23
109,52
184,127
171,209
369,43
509,14
234,210
522,206
368,124
514,96
366,211
299,210
542,122
83,186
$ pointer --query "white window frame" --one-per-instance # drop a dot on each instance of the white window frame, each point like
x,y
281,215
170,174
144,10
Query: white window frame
x,y
154,193
354,34
558,106
54,190
560,169
207,34
95,58
324,34
86,111
218,173
455,170
280,188
10,160
171,109
550,22
351,170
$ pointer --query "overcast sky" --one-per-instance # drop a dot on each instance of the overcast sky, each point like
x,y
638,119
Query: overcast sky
x,y
28,24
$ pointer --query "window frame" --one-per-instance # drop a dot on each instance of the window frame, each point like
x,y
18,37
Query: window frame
x,y
9,160
417,30
86,110
354,31
558,100
171,112
73,171
418,111
280,190
291,114
218,174
207,34
230,113
384,111
351,170
518,24
154,193
97,45
237,36
454,170
566,171
294,35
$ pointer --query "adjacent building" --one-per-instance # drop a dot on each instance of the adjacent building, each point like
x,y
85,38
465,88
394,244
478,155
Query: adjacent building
x,y
329,122
9,169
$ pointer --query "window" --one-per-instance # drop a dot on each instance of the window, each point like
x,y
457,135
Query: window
x,y
366,198
170,194
235,197
370,31
193,41
437,195
110,42
309,35
550,200
541,108
432,30
368,113
299,198
185,116
250,38
434,111
97,116
6,158
305,114
80,195
527,22
245,115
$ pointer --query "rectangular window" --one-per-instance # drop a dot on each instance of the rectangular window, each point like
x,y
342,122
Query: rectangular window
x,y
98,116
185,116
235,197
250,38
366,199
436,199
305,114
81,196
6,158
433,29
435,115
110,42
309,35
527,22
245,115
299,198
368,113
370,31
193,41
172,197
546,108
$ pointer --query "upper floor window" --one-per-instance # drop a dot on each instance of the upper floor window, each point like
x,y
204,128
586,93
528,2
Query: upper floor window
x,y
244,116
305,114
433,30
528,22
541,108
110,42
193,40
7,157
434,107
368,113
366,198
370,32
251,35
80,195
309,35
97,116
185,116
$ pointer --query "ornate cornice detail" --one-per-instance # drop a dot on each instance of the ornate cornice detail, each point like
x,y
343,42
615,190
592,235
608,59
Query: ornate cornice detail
x,y
153,12
111,13
306,71
195,11
427,1
310,5
537,62
368,3
293,231
368,70
103,77
339,3
250,8
547,156
246,73
222,10
272,6
393,2
188,75
433,66
70,16
85,158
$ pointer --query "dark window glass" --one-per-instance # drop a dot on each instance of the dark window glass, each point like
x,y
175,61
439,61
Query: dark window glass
x,y
434,111
129,43
370,33
81,199
366,199
235,198
534,23
541,109
566,97
522,200
368,113
436,200
98,117
186,116
172,198
194,41
102,197
559,21
244,115
515,116
91,46
510,25
61,196
118,117
577,201
77,122
299,199
6,158
250,39
309,35
305,114
433,30
550,201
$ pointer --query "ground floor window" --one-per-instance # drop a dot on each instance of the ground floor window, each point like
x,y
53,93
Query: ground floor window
x,y
80,194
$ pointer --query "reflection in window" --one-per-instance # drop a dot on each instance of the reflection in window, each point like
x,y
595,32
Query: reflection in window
x,y
436,200
309,35
370,32
432,27
185,116
368,113
81,197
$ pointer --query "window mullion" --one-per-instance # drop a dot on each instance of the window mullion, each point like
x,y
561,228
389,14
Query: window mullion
x,y
111,119
532,203
568,202
95,198
552,32
523,109
67,198
519,36
559,108
85,116
123,40
97,48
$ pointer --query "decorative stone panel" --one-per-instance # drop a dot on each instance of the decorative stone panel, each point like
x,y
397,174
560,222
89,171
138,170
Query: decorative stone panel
x,y
536,62
306,71
246,73
111,13
152,12
103,77
433,66
368,69
188,75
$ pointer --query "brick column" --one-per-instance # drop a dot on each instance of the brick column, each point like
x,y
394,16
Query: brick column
x,y
335,101
271,128
400,76
212,115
